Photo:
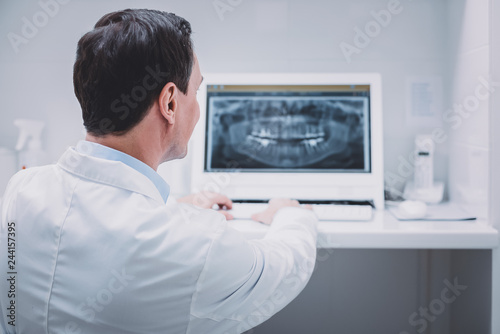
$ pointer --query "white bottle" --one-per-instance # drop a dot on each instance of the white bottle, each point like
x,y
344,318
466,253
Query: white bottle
x,y
424,162
29,144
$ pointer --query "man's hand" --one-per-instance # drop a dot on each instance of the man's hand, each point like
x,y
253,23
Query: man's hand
x,y
207,200
275,204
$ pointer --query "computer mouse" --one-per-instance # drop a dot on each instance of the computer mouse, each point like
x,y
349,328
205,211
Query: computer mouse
x,y
412,209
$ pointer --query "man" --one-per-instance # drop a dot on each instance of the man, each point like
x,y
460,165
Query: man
x,y
93,247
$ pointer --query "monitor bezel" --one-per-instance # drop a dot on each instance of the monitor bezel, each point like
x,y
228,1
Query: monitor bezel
x,y
321,186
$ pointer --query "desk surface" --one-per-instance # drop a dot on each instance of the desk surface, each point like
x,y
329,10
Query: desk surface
x,y
385,231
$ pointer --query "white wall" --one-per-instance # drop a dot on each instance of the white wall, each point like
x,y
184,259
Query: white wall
x,y
494,121
469,138
495,154
281,36
470,148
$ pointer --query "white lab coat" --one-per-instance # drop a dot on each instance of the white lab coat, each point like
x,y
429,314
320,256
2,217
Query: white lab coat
x,y
98,251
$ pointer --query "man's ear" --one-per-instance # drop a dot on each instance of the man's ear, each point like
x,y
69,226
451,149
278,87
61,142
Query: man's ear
x,y
168,102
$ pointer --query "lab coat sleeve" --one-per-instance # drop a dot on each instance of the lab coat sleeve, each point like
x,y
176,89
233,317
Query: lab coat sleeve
x,y
245,282
7,210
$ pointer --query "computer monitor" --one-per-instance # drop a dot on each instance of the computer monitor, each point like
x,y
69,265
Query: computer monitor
x,y
304,136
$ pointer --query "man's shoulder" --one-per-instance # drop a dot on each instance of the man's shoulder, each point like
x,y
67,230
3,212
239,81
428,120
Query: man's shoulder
x,y
24,175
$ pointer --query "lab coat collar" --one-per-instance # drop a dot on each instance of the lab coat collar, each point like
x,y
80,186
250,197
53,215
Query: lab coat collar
x,y
111,172
100,151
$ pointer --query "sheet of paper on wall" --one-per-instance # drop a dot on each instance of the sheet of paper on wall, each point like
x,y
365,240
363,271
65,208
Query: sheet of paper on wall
x,y
424,101
439,212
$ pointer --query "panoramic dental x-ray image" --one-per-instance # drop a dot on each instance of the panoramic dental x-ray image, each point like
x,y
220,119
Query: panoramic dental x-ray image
x,y
288,132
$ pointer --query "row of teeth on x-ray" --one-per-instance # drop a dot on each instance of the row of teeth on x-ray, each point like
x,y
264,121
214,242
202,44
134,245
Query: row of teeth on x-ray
x,y
285,154
286,128
298,146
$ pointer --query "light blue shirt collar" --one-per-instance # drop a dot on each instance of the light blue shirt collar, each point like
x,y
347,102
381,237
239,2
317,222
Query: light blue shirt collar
x,y
100,151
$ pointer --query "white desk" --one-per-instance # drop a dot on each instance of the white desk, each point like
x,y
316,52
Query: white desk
x,y
385,231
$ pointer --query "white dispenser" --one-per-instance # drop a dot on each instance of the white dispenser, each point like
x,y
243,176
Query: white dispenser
x,y
424,162
423,188
29,144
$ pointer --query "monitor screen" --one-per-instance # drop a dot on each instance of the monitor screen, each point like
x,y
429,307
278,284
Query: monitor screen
x,y
288,128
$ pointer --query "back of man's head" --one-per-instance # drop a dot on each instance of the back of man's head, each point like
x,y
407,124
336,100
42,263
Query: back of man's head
x,y
124,62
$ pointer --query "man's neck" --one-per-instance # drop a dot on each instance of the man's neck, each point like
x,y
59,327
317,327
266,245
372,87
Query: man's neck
x,y
129,145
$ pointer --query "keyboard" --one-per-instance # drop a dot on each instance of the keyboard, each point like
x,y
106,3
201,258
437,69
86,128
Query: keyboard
x,y
325,210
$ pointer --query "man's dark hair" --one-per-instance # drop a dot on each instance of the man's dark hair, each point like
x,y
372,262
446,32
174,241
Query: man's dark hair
x,y
123,64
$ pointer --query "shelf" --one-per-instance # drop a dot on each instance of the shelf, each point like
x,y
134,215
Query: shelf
x,y
385,231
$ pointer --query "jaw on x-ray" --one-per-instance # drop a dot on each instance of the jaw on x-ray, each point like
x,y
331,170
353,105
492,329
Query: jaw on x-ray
x,y
287,133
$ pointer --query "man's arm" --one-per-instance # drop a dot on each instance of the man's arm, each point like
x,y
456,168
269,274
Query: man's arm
x,y
245,282
207,199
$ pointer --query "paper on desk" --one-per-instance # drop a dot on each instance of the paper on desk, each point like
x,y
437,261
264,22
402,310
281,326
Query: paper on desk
x,y
440,212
